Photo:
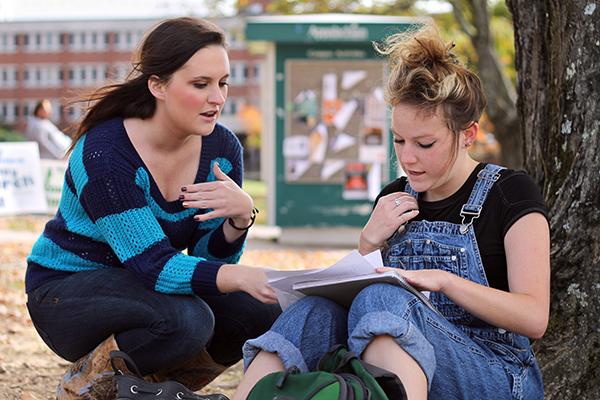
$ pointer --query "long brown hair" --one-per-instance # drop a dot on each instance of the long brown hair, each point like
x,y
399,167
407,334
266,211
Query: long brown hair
x,y
165,49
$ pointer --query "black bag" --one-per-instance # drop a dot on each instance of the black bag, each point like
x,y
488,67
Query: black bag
x,y
131,385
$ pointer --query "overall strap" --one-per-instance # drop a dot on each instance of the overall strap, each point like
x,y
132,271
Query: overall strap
x,y
472,209
408,189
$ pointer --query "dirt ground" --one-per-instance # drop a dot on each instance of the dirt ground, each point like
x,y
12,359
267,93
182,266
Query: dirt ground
x,y
29,370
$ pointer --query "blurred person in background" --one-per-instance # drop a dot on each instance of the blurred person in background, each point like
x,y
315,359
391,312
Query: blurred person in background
x,y
52,142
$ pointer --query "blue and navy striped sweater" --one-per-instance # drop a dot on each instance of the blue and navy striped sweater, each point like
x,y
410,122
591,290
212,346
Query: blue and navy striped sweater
x,y
112,215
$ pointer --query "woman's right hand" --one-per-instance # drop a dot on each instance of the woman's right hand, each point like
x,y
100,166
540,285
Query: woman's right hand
x,y
391,212
252,280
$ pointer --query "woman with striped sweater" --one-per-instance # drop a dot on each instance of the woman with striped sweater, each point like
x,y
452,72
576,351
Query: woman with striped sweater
x,y
152,174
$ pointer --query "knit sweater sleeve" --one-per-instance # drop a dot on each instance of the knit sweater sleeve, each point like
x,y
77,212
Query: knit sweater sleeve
x,y
108,193
209,239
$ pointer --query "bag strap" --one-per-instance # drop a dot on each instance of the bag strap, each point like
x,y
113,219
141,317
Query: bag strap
x,y
129,364
331,356
388,381
281,381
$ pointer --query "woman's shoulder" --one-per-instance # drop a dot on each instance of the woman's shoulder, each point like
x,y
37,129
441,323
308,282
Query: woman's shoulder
x,y
517,185
104,136
104,148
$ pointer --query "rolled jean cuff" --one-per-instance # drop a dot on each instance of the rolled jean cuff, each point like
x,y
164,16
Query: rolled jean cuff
x,y
404,333
273,342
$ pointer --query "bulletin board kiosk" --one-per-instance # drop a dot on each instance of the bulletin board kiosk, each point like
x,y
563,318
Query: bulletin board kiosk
x,y
326,143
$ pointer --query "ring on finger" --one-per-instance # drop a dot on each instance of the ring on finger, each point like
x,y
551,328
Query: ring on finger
x,y
397,201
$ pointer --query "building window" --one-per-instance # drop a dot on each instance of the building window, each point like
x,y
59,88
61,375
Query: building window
x,y
8,111
233,73
256,71
8,42
7,76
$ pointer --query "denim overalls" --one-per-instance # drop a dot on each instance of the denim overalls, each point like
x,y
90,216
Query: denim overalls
x,y
461,356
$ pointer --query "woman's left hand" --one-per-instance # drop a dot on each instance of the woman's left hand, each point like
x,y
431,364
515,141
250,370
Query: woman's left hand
x,y
432,280
223,196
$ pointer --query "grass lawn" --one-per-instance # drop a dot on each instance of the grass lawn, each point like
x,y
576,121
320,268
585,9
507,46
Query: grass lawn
x,y
258,191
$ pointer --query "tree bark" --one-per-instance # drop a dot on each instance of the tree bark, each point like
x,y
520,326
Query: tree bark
x,y
499,91
558,65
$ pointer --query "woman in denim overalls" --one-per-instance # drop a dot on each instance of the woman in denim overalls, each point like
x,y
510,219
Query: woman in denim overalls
x,y
477,347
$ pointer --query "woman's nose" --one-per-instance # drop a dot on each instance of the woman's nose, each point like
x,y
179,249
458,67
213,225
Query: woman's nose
x,y
217,96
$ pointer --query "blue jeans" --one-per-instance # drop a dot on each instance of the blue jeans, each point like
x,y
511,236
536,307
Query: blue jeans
x,y
458,363
73,315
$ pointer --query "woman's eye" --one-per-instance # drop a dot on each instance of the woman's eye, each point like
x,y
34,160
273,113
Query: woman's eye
x,y
426,146
200,85
223,84
399,141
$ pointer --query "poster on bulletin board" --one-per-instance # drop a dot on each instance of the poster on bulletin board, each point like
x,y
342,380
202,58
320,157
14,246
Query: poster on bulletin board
x,y
336,125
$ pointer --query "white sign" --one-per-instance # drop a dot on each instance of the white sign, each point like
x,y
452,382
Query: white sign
x,y
21,185
53,175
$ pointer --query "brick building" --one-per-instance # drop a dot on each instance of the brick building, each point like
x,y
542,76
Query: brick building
x,y
59,60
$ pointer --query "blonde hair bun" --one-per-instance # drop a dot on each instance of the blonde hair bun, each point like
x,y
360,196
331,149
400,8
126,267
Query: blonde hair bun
x,y
424,72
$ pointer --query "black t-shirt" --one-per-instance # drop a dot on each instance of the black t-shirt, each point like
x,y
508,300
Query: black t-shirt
x,y
512,196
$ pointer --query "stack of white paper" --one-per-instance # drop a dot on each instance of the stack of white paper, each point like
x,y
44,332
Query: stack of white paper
x,y
352,264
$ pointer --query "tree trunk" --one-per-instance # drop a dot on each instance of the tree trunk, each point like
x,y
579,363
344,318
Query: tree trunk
x,y
558,64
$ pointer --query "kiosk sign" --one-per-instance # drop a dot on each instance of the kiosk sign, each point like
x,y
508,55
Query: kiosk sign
x,y
21,186
338,33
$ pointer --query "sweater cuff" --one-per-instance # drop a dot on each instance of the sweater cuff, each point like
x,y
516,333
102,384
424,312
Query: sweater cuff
x,y
204,280
218,246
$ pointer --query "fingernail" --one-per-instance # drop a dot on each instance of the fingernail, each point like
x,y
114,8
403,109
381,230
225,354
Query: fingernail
x,y
184,204
197,218
183,188
181,196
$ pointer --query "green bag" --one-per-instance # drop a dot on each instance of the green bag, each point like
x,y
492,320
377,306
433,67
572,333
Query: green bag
x,y
341,375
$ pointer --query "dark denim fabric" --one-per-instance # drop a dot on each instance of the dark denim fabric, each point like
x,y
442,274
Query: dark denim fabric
x,y
74,314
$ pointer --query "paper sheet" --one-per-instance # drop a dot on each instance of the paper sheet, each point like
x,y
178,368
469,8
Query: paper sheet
x,y
331,167
351,78
352,264
343,116
296,146
342,142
